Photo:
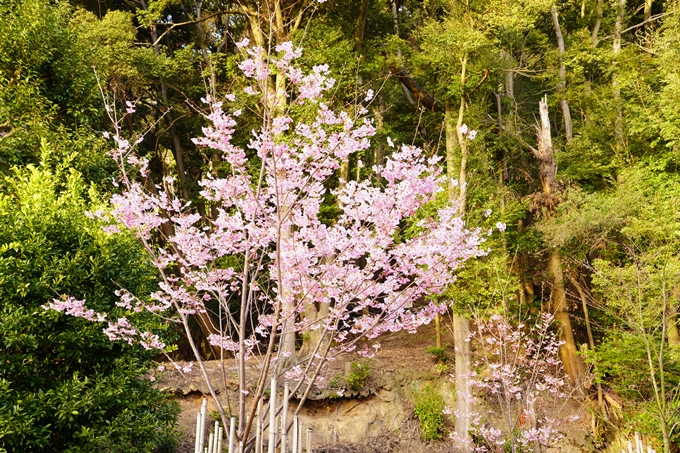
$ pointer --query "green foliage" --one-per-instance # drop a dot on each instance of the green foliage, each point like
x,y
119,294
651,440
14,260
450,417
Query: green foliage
x,y
638,213
429,407
438,352
357,378
63,385
630,235
48,91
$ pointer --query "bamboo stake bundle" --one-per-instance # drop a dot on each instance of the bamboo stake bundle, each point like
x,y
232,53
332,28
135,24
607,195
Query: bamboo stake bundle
x,y
637,446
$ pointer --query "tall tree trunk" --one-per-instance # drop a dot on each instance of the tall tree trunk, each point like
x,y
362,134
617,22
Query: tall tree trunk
x,y
176,144
526,284
287,355
598,22
395,17
461,326
452,145
648,9
360,27
573,365
562,84
591,340
618,121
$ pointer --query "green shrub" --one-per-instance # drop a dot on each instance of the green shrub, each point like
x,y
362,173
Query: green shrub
x,y
64,387
439,352
429,412
359,375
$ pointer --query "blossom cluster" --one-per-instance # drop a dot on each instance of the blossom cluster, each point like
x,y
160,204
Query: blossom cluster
x,y
519,367
357,270
116,330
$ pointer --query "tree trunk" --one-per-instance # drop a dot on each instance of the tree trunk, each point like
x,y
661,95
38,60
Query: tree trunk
x,y
598,22
176,145
591,340
202,33
562,84
573,365
395,17
360,26
286,356
461,326
378,113
618,121
463,356
673,335
648,9
452,145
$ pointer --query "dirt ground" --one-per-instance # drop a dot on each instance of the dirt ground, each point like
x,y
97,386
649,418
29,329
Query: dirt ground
x,y
376,419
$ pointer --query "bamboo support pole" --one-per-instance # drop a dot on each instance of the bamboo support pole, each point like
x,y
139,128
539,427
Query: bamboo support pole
x,y
295,434
258,428
201,431
284,418
232,434
197,443
272,418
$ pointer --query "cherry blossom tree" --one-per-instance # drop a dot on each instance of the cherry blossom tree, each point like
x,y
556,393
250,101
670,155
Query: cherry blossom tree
x,y
268,263
519,372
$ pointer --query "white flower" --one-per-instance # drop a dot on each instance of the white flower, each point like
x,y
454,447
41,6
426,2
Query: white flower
x,y
369,95
487,213
463,129
472,135
242,44
501,226
390,143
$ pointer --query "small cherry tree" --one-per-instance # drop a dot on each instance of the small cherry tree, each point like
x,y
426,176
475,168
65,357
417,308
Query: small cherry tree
x,y
266,260
521,376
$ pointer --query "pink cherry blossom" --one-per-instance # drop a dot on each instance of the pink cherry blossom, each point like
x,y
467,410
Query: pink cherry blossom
x,y
266,262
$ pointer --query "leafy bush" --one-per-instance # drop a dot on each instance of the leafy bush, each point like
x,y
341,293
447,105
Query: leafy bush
x,y
359,375
430,413
63,385
439,352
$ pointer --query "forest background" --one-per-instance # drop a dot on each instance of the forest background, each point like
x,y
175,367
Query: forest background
x,y
577,111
